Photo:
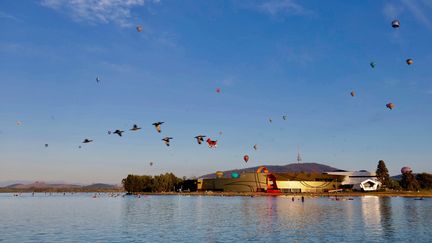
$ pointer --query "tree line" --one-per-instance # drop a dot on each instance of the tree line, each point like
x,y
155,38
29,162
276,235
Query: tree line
x,y
409,180
167,182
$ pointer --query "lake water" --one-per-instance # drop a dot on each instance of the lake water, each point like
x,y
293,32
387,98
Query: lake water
x,y
82,218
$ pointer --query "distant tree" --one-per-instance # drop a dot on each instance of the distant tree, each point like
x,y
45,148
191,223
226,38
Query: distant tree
x,y
161,183
382,174
394,184
424,180
409,182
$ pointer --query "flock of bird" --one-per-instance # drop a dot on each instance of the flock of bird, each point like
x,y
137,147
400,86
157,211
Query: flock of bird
x,y
200,138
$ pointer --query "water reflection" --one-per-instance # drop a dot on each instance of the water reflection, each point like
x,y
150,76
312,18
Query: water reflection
x,y
178,219
386,217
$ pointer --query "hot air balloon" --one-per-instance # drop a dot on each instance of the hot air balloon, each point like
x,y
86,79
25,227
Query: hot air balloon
x,y
18,123
46,145
246,158
372,64
235,175
211,143
395,24
406,169
151,163
284,117
219,174
98,79
255,146
139,28
390,106
353,93
218,90
409,61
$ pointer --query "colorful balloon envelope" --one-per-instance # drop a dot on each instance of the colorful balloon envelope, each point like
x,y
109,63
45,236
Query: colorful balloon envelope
x,y
409,61
246,158
235,175
406,169
353,93
390,106
219,174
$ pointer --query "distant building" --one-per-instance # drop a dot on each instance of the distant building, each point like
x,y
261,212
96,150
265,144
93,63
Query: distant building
x,y
358,180
264,181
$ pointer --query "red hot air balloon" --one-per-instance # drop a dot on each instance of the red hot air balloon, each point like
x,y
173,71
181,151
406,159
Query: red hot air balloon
x,y
246,158
390,106
218,90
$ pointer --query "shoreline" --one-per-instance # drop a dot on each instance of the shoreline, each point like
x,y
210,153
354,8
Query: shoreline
x,y
427,194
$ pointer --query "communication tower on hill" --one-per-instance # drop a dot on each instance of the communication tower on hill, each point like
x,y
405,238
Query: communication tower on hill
x,y
299,158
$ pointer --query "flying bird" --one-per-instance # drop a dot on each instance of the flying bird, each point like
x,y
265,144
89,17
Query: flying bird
x,y
135,128
200,138
158,126
372,64
87,141
118,132
255,146
98,79
167,140
284,117
212,143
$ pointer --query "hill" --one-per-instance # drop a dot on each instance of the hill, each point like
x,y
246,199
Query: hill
x,y
42,186
293,167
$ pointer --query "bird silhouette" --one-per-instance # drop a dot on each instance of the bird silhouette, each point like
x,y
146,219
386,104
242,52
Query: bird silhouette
x,y
118,132
135,128
167,140
158,126
200,138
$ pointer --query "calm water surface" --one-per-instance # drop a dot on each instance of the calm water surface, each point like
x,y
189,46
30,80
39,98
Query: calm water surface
x,y
81,218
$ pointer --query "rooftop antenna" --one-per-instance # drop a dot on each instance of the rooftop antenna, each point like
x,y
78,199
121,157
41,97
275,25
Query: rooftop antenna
x,y
299,158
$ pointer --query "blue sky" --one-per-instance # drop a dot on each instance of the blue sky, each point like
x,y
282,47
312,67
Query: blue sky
x,y
270,58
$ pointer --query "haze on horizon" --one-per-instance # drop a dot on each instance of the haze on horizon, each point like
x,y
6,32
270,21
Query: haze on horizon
x,y
269,58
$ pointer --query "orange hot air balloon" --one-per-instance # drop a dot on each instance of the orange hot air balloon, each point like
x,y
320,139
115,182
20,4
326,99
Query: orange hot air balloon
x,y
353,93
246,158
390,106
